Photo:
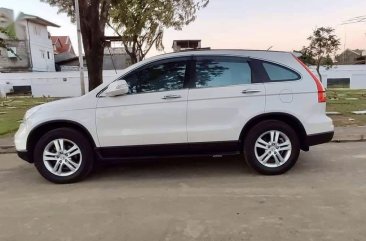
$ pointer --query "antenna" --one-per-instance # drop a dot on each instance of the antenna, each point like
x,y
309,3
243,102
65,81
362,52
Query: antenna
x,y
270,48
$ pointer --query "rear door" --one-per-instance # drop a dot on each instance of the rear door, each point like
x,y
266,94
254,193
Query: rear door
x,y
225,92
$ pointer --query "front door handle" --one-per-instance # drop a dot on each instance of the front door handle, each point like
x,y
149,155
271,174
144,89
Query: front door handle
x,y
167,97
250,91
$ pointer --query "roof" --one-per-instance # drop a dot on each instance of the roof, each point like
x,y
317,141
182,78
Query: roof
x,y
65,57
271,55
36,19
65,44
356,51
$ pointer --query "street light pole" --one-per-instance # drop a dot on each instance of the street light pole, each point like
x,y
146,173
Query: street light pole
x,y
80,48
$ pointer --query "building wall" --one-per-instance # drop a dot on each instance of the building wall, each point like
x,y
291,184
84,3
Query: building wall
x,y
57,84
356,74
41,49
15,64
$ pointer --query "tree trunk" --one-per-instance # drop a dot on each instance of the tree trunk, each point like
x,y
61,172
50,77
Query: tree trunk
x,y
318,71
92,31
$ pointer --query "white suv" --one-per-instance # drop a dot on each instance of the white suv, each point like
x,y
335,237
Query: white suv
x,y
264,105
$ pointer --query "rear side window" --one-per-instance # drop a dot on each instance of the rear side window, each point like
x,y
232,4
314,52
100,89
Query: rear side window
x,y
278,73
221,71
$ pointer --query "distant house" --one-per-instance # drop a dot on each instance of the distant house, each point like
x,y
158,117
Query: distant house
x,y
182,45
32,49
114,58
62,44
350,57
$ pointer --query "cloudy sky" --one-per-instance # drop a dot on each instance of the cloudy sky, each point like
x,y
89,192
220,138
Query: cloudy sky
x,y
245,24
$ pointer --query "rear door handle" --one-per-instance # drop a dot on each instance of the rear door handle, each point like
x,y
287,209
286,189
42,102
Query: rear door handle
x,y
167,97
250,91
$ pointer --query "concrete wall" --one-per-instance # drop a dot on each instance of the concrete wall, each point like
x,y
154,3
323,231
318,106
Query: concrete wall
x,y
54,84
67,84
356,73
15,64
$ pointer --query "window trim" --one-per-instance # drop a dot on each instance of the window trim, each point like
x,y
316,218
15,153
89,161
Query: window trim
x,y
192,80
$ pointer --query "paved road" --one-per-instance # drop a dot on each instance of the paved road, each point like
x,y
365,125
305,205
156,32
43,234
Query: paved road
x,y
322,198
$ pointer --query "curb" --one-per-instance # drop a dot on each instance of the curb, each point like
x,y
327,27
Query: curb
x,y
11,149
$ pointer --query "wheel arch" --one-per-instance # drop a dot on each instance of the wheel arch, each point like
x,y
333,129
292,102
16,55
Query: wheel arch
x,y
289,119
43,128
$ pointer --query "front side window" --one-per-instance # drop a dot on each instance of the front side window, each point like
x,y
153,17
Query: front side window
x,y
222,71
159,77
279,73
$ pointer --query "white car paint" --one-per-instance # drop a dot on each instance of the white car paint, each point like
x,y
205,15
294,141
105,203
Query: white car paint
x,y
199,115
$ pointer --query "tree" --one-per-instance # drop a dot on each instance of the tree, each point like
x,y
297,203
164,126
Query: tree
x,y
6,35
323,45
3,36
141,23
94,15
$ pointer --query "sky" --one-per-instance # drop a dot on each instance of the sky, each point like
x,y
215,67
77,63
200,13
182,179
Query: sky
x,y
241,24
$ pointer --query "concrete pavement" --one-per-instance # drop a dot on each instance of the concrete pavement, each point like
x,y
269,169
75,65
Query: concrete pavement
x,y
322,198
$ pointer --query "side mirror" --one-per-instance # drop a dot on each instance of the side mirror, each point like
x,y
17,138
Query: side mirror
x,y
116,88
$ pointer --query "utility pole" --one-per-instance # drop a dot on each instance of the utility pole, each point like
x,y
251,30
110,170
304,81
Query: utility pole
x,y
359,19
80,47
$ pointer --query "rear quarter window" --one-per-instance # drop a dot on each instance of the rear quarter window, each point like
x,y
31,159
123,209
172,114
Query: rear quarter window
x,y
277,73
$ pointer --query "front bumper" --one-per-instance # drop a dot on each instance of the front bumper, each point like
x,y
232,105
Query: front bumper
x,y
25,156
20,138
319,138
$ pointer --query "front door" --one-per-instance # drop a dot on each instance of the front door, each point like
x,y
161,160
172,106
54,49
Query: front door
x,y
154,111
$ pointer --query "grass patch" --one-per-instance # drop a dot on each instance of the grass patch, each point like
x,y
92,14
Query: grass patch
x,y
12,110
345,101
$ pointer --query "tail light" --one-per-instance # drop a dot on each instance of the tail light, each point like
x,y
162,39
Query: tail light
x,y
322,95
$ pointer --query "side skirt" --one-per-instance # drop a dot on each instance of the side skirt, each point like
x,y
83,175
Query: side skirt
x,y
216,149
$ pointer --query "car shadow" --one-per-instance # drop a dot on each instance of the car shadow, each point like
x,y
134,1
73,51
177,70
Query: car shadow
x,y
172,168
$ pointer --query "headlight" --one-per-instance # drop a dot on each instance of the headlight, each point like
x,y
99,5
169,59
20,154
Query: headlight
x,y
31,111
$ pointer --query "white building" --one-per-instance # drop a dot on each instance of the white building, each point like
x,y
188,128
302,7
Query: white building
x,y
32,49
39,40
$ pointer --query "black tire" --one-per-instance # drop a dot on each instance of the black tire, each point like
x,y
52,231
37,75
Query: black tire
x,y
80,140
257,131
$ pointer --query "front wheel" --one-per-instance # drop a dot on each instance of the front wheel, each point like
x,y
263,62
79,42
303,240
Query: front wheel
x,y
63,155
271,147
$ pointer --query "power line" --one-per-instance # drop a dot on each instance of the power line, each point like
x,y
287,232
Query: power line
x,y
358,19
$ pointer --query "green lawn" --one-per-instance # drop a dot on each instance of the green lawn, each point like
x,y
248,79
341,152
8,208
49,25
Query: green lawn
x,y
345,101
12,109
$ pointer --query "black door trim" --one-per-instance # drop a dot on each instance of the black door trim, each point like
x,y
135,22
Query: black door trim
x,y
169,150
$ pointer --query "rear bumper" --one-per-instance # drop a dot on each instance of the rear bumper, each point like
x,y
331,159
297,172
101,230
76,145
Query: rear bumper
x,y
319,138
25,156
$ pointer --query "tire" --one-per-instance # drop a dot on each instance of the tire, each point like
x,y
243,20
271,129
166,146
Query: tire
x,y
265,157
73,164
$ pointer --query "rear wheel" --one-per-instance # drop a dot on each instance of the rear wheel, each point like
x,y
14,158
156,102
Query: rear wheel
x,y
63,155
271,147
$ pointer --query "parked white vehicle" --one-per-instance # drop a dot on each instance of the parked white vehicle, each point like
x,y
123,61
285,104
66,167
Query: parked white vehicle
x,y
264,105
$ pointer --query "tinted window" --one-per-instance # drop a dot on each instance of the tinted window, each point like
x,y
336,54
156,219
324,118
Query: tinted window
x,y
278,73
158,77
216,72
